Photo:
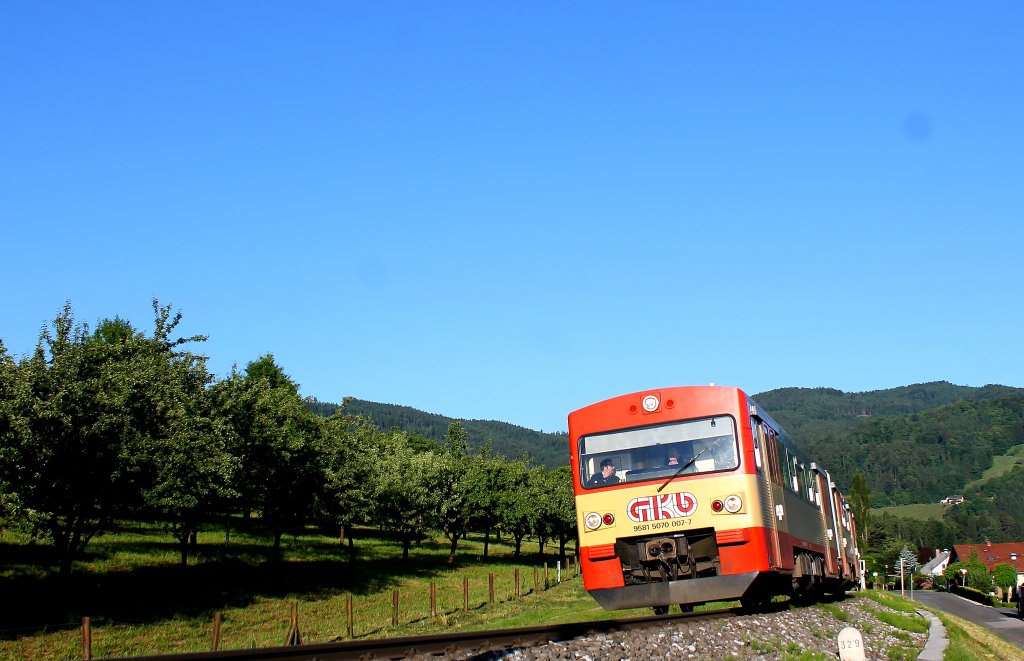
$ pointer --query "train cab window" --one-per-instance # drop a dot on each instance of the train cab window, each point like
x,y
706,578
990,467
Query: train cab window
x,y
648,453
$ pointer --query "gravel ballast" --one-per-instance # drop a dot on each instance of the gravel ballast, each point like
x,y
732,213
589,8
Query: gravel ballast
x,y
779,635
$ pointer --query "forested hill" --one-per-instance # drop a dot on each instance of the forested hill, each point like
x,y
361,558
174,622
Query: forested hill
x,y
809,413
914,444
543,449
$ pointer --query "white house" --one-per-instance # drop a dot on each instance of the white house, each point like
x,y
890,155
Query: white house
x,y
937,565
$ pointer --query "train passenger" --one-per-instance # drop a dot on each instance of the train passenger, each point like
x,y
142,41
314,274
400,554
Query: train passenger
x,y
607,475
673,456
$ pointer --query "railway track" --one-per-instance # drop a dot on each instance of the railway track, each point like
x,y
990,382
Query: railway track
x,y
456,645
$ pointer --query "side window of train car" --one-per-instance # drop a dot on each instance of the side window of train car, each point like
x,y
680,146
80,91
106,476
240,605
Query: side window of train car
x,y
773,455
758,433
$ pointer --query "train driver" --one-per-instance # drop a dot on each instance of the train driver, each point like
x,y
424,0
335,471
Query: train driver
x,y
607,475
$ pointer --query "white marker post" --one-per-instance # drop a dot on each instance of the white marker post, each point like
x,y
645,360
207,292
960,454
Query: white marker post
x,y
851,645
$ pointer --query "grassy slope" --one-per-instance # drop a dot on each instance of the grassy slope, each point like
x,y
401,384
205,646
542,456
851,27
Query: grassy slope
x,y
1001,465
142,602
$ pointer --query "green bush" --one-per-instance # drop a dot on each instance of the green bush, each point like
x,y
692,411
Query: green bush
x,y
974,595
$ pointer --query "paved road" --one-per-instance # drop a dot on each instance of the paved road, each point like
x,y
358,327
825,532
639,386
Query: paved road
x,y
1001,621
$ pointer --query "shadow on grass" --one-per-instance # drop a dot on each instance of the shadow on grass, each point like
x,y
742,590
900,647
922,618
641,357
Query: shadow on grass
x,y
226,577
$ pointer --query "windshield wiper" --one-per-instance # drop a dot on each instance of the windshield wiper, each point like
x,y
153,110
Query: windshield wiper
x,y
682,468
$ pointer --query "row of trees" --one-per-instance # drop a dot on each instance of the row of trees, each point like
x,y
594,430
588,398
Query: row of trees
x,y
98,425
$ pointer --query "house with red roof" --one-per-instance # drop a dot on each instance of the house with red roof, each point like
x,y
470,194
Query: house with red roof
x,y
1011,553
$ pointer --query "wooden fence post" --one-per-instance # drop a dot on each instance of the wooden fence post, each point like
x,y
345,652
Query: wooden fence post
x,y
394,608
465,594
490,589
294,637
535,579
517,584
86,639
433,600
546,582
216,631
348,616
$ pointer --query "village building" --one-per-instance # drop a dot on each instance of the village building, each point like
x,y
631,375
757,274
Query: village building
x,y
989,554
937,565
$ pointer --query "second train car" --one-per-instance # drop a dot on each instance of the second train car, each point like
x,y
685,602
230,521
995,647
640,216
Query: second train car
x,y
694,494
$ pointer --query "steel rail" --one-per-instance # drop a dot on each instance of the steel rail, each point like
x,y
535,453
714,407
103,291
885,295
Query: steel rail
x,y
464,642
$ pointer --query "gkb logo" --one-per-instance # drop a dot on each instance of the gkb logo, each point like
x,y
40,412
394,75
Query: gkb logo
x,y
666,506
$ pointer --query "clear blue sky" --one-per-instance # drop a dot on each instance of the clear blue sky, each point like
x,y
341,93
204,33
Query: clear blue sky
x,y
511,210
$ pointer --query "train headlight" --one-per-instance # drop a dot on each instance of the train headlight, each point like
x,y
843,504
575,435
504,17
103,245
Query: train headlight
x,y
717,505
608,519
651,403
592,520
733,504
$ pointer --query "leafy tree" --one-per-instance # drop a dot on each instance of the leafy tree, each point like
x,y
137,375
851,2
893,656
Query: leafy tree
x,y
455,477
8,460
953,574
978,576
181,463
860,505
276,443
485,492
345,498
82,406
561,512
1005,576
517,503
192,477
266,369
402,482
543,513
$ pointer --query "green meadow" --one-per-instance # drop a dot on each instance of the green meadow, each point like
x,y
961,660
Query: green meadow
x,y
140,600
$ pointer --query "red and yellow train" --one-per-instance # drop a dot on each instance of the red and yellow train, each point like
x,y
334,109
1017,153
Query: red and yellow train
x,y
694,494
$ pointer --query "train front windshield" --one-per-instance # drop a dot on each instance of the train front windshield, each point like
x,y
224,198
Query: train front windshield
x,y
702,446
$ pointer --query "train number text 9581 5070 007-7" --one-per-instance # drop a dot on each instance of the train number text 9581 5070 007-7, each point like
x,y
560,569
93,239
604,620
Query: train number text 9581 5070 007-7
x,y
662,525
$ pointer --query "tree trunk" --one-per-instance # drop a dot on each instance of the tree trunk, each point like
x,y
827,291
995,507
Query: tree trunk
x,y
183,548
487,539
66,558
405,548
451,549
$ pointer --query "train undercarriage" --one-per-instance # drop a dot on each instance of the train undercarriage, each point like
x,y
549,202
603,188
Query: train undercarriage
x,y
684,569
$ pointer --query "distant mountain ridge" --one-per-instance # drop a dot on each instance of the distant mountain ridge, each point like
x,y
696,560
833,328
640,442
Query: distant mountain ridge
x,y
808,412
914,444
543,449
